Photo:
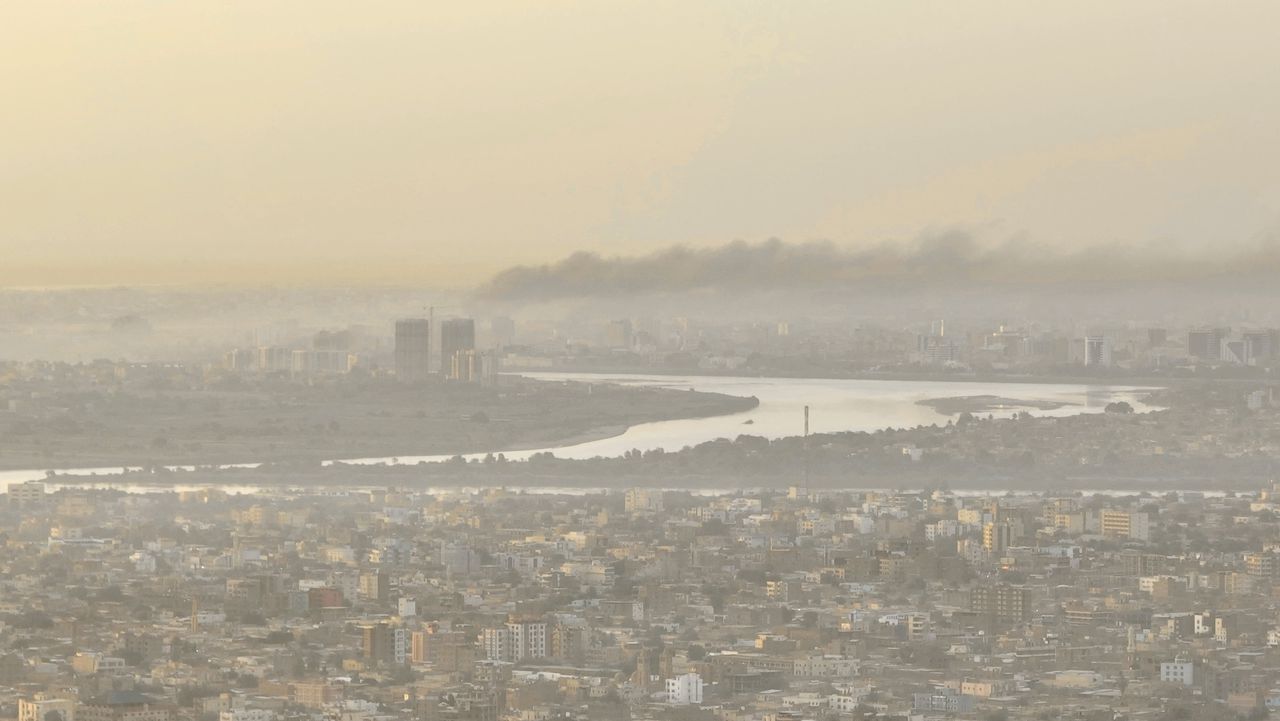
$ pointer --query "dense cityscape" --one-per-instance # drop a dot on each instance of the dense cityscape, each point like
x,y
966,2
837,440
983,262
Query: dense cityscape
x,y
386,603
802,581
640,360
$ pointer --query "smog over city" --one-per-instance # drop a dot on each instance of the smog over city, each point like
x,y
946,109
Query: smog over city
x,y
701,361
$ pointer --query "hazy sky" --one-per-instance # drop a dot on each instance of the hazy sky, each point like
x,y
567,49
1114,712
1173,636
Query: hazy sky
x,y
190,140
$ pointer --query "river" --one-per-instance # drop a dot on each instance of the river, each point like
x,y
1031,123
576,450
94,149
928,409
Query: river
x,y
835,405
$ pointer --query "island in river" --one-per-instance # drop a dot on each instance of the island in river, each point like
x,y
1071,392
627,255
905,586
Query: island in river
x,y
170,418
987,404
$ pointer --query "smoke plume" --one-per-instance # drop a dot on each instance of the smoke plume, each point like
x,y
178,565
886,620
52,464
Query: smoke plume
x,y
948,259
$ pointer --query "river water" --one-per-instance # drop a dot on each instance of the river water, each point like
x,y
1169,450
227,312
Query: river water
x,y
835,405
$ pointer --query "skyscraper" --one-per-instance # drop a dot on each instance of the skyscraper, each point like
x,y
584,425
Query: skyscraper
x,y
1097,351
385,644
413,349
1205,343
996,536
1258,345
471,366
456,334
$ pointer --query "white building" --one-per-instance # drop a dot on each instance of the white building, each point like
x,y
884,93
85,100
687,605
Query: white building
x,y
825,667
497,643
400,641
247,714
1097,351
515,642
1179,672
684,690
528,639
1256,400
942,529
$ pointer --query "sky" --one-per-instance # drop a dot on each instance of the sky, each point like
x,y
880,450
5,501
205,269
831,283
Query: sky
x,y
153,141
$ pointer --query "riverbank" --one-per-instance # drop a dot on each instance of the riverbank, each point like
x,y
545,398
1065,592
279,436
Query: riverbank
x,y
253,480
1150,452
589,417
310,425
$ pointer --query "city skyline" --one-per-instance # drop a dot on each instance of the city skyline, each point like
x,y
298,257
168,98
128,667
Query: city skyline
x,y
734,360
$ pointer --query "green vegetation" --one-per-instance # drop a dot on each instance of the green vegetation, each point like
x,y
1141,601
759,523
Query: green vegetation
x,y
167,423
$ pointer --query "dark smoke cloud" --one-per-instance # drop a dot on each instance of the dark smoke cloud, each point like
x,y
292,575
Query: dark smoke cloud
x,y
949,259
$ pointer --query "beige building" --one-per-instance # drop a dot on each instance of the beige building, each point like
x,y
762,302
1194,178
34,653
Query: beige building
x,y
124,706
29,494
1126,524
46,708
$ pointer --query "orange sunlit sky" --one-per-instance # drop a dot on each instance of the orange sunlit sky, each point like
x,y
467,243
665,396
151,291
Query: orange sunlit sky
x,y
310,140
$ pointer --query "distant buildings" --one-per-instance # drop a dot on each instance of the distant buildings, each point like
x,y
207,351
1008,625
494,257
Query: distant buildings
x,y
457,335
629,344
1180,672
1235,352
548,606
459,359
996,537
620,335
328,352
1262,345
1262,398
1247,348
943,701
646,500
937,350
472,366
274,358
1003,603
240,359
320,361
413,349
1126,524
1097,351
123,706
28,494
383,643
516,641
1206,343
